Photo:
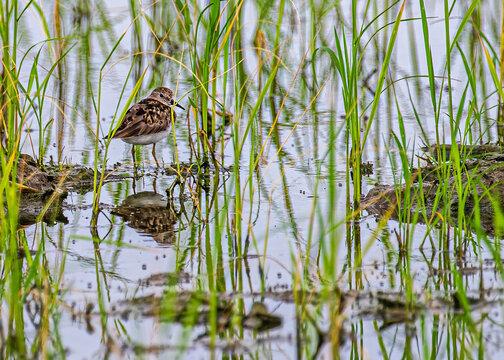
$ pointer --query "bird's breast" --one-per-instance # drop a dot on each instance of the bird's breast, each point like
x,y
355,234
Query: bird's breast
x,y
147,139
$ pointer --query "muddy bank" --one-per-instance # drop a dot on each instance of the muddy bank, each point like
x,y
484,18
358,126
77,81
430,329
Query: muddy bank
x,y
482,182
43,190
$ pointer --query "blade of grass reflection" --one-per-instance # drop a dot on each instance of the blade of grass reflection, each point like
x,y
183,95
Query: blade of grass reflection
x,y
99,292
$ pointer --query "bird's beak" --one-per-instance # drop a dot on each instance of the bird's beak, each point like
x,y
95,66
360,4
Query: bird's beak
x,y
180,106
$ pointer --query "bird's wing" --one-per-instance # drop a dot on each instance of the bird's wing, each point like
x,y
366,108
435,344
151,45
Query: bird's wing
x,y
149,116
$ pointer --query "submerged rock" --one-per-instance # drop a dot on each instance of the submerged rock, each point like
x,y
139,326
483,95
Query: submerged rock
x,y
259,319
196,308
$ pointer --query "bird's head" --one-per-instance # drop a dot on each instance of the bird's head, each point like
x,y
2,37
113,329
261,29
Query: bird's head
x,y
165,96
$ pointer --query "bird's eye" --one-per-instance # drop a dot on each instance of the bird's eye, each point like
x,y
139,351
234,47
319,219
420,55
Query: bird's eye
x,y
161,95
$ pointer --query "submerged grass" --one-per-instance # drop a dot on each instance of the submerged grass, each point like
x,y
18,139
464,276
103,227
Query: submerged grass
x,y
241,186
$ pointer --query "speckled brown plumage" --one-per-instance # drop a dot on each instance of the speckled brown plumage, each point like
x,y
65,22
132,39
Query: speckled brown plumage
x,y
148,121
149,116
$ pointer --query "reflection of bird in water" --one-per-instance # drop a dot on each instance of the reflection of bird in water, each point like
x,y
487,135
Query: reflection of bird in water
x,y
150,213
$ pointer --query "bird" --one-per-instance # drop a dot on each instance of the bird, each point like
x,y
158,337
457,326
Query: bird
x,y
148,121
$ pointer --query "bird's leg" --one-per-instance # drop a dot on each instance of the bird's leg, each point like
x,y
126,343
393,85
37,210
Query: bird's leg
x,y
134,168
154,154
133,155
169,192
